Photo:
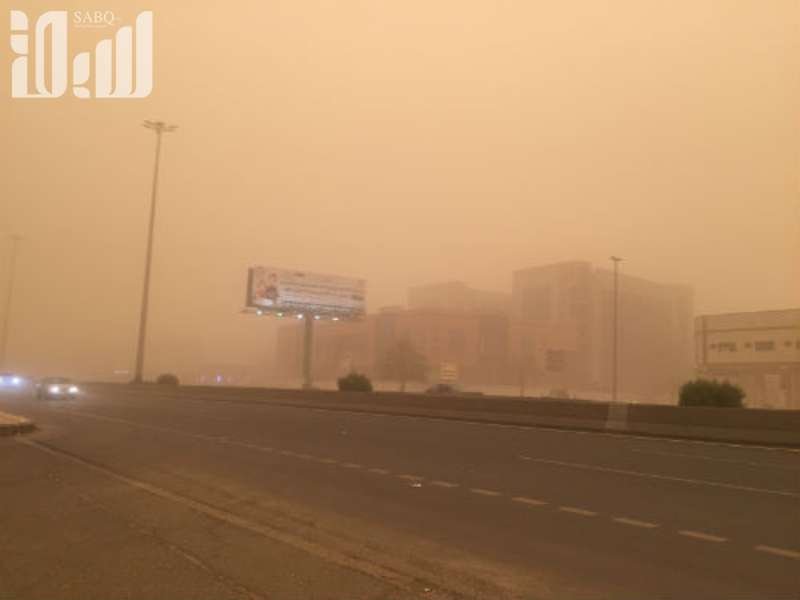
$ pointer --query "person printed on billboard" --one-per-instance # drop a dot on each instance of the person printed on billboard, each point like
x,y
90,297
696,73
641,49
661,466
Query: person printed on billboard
x,y
267,291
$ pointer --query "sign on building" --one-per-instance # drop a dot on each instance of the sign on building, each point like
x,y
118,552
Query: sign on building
x,y
448,372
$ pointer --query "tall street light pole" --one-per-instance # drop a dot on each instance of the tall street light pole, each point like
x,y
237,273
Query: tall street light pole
x,y
615,352
159,127
15,239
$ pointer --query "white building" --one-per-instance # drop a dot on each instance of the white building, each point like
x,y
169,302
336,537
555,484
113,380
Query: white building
x,y
760,351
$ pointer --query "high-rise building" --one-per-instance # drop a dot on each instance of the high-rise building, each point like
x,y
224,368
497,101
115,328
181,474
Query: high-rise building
x,y
562,330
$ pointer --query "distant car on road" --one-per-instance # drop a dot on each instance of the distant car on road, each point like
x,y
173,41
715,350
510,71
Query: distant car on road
x,y
56,387
11,382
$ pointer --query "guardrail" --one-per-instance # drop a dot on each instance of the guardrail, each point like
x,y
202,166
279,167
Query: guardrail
x,y
741,425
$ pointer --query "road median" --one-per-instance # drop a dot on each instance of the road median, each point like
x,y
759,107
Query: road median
x,y
731,425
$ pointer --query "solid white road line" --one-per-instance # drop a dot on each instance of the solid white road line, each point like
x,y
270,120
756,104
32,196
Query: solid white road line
x,y
528,501
577,511
484,492
635,522
349,465
730,486
444,484
699,535
748,463
779,552
411,477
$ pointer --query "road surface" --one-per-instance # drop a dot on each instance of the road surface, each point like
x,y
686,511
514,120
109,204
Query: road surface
x,y
125,494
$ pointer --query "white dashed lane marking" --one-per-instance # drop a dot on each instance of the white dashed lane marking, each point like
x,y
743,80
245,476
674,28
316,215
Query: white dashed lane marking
x,y
378,471
573,510
699,535
528,501
484,492
779,552
444,484
635,522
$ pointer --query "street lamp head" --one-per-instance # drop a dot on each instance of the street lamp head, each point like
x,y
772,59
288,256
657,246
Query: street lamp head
x,y
159,126
616,259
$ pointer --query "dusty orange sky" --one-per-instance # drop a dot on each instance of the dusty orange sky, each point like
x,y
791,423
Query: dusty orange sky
x,y
405,143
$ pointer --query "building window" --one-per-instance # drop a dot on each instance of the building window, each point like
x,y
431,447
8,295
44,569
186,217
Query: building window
x,y
788,343
713,346
726,346
748,345
764,346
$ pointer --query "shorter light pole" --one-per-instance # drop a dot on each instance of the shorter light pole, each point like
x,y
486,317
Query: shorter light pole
x,y
615,368
15,239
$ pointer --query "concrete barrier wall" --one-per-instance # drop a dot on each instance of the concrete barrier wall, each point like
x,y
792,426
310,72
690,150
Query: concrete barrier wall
x,y
757,426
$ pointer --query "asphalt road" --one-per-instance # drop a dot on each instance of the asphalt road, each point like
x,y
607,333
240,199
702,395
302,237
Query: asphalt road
x,y
129,495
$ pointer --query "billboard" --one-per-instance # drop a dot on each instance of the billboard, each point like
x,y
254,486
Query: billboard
x,y
285,290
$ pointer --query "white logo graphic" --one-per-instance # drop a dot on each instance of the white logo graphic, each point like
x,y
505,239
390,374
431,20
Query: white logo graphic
x,y
108,83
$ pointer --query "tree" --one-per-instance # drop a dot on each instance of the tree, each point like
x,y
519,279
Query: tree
x,y
354,382
167,379
707,392
402,362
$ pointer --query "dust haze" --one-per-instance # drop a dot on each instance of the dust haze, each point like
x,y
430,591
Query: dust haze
x,y
404,143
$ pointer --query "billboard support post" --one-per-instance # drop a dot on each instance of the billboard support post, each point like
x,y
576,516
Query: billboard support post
x,y
308,349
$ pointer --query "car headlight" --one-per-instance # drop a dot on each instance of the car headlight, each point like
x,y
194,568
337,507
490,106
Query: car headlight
x,y
73,389
16,381
54,389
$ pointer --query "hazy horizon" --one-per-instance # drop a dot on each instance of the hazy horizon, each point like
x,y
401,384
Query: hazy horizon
x,y
403,143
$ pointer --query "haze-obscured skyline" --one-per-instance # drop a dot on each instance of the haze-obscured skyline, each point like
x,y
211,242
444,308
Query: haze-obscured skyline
x,y
404,143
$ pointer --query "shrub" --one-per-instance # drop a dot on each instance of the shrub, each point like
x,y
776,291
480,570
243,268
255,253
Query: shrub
x,y
355,382
167,379
706,392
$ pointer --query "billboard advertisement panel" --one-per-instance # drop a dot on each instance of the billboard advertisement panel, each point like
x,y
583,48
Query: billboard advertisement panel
x,y
291,291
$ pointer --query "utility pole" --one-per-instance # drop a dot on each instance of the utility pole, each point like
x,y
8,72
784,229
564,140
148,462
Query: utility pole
x,y
15,239
159,127
615,352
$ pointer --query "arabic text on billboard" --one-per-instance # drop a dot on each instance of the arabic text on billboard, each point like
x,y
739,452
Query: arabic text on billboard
x,y
284,290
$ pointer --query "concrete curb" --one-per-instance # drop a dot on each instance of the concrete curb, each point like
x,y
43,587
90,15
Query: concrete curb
x,y
13,425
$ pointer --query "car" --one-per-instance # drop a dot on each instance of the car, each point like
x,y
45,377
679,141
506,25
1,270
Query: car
x,y
11,382
56,387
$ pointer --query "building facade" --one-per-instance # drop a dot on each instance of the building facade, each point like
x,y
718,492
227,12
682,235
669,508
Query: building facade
x,y
562,331
454,327
759,351
553,331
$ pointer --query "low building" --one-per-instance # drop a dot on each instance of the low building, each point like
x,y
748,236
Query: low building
x,y
474,344
759,351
